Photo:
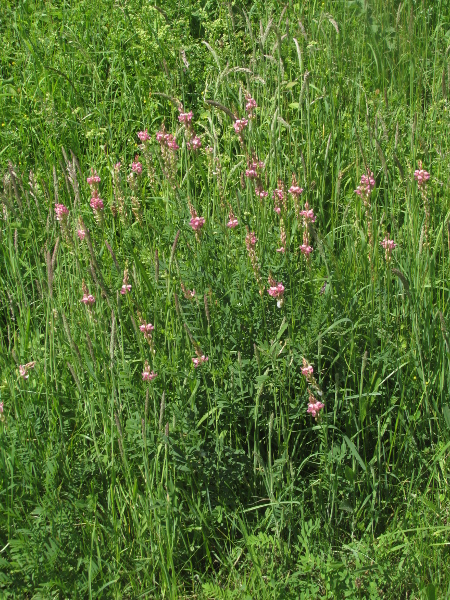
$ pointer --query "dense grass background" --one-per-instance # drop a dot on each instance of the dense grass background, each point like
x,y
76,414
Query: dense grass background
x,y
215,482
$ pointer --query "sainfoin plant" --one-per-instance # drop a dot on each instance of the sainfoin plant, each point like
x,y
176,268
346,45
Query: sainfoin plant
x,y
224,315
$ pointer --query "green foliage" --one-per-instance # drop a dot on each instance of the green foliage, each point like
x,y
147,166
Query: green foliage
x,y
215,482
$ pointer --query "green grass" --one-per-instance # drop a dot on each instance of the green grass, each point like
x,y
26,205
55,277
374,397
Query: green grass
x,y
215,483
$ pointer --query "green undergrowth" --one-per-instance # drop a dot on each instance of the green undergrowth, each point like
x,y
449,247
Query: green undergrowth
x,y
212,480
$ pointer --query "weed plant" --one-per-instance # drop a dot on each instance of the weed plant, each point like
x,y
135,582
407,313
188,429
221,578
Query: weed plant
x,y
213,384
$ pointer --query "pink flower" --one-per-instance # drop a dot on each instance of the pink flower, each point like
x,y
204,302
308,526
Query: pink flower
x,y
276,291
1,407
88,299
171,142
136,166
23,371
146,327
199,360
185,117
117,166
277,193
195,143
260,192
81,233
282,249
306,249
277,209
421,177
233,222
160,136
251,239
366,185
197,223
61,212
308,215
307,371
251,173
388,244
295,190
239,125
314,407
143,135
96,204
147,374
93,179
251,103
125,289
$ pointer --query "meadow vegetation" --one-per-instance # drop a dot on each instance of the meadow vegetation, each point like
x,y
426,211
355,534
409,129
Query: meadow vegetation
x,y
224,341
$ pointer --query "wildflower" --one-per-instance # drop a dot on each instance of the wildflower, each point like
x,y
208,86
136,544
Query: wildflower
x,y
171,142
277,209
126,287
143,135
94,179
81,233
187,293
251,104
276,291
307,371
260,192
239,125
306,249
233,222
283,237
23,371
147,374
314,406
308,215
185,117
1,407
421,176
146,327
195,143
197,223
251,173
199,360
118,165
295,190
388,245
250,242
87,299
136,166
61,212
251,239
366,185
96,204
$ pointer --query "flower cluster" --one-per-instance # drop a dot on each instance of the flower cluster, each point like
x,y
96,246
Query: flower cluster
x,y
187,293
283,238
232,221
250,106
169,147
126,287
308,217
276,290
96,202
193,141
388,245
199,359
87,299
196,222
250,242
296,191
365,188
23,371
279,197
239,125
422,177
314,405
254,171
147,374
61,212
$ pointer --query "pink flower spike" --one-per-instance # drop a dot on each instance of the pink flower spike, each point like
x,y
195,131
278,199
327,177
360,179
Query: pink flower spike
x,y
308,215
117,166
295,190
93,179
261,193
1,407
388,244
23,369
147,374
195,143
125,289
305,249
232,223
239,125
61,212
96,204
146,327
307,371
282,250
199,360
136,166
314,408
143,135
421,176
197,223
277,209
88,299
276,291
185,117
